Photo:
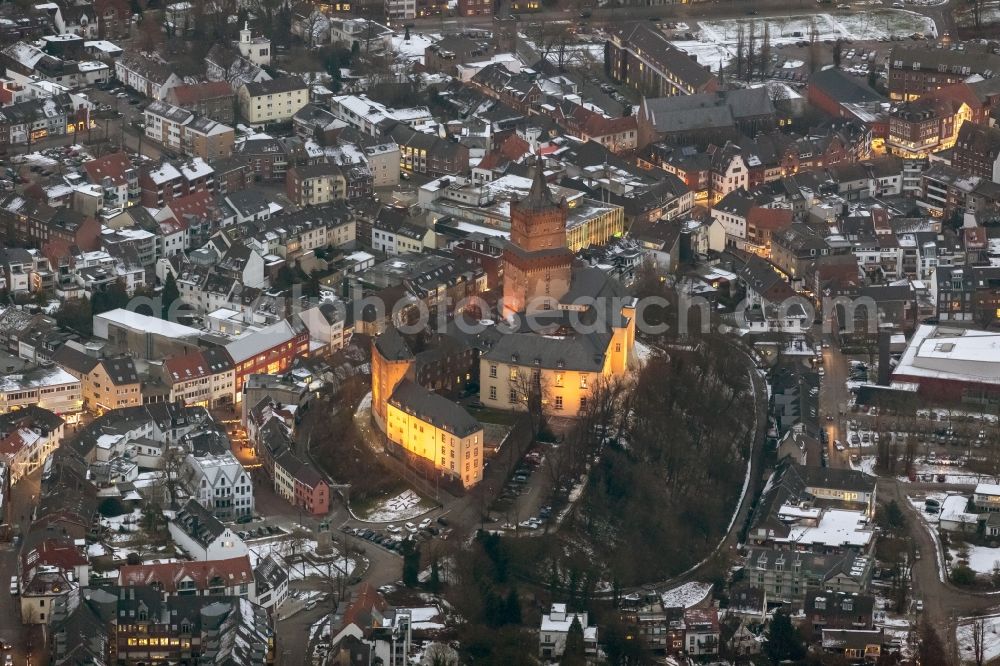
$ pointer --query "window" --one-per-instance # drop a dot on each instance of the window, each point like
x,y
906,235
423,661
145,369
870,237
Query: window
x,y
493,393
559,402
493,370
513,396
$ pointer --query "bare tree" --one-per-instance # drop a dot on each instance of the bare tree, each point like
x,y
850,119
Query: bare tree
x,y
440,654
765,49
979,641
175,473
740,50
530,392
813,54
751,50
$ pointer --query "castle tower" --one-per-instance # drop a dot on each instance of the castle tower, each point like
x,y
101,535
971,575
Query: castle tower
x,y
537,264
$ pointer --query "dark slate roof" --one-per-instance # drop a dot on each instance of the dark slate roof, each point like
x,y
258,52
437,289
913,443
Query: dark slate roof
x,y
433,408
843,87
73,359
281,84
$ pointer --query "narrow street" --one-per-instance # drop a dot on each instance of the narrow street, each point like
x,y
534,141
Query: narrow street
x,y
19,510
944,604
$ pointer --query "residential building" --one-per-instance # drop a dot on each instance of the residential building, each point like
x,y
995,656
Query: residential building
x,y
269,350
977,151
220,484
28,437
151,77
202,536
315,184
213,99
206,377
916,70
231,578
274,101
555,627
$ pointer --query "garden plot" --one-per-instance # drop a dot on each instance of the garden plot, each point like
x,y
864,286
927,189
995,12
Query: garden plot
x,y
400,507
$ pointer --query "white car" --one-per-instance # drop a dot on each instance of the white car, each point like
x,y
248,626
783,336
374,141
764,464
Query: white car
x,y
839,445
411,528
425,523
393,529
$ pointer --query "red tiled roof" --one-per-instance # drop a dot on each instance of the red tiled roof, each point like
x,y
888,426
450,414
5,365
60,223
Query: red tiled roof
x,y
365,601
772,219
234,571
112,166
185,367
196,92
198,204
57,552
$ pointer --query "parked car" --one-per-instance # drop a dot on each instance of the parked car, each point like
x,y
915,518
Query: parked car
x,y
425,523
411,528
393,529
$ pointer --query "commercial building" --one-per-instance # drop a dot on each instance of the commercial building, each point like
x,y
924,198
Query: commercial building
x,y
952,365
269,350
52,388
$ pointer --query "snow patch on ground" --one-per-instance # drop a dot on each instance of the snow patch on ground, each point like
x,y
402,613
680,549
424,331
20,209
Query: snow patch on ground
x,y
981,558
687,595
403,506
963,636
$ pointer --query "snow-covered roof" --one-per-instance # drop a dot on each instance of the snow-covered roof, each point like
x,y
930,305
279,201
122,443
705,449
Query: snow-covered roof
x,y
939,352
141,322
164,173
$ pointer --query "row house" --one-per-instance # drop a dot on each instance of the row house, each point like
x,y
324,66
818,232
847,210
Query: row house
x,y
914,71
146,75
220,484
118,179
161,184
944,190
183,131
427,153
27,438
615,134
518,90
977,151
107,383
206,378
27,223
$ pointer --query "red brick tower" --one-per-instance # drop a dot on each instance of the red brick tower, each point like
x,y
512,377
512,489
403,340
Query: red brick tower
x,y
537,264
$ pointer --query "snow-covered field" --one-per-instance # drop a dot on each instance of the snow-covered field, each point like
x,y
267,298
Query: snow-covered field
x,y
687,595
981,559
716,41
963,636
403,506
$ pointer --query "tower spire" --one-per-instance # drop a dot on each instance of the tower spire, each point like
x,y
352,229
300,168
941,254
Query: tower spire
x,y
540,196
